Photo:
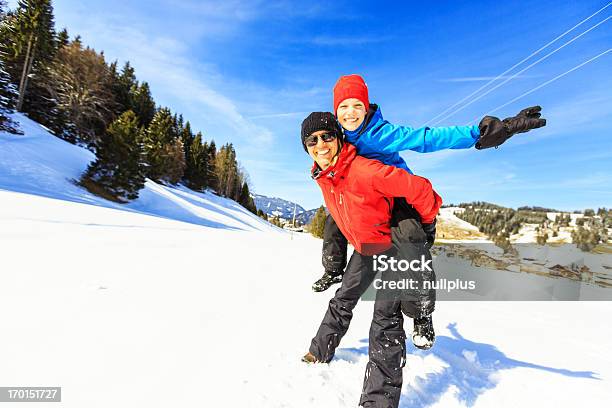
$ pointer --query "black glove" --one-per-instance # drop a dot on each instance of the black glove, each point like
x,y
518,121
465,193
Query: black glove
x,y
430,233
494,132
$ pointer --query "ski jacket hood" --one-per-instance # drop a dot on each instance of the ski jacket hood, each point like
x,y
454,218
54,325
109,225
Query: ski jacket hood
x,y
358,193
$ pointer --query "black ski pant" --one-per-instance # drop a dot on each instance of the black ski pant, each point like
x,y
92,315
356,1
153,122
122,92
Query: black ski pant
x,y
334,248
382,384
335,252
387,339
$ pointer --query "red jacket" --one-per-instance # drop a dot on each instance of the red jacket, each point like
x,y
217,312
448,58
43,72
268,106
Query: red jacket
x,y
359,193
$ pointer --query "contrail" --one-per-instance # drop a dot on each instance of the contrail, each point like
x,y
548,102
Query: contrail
x,y
519,63
545,83
521,71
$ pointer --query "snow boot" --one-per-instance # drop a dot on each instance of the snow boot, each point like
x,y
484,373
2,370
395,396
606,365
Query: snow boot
x,y
328,279
309,358
423,336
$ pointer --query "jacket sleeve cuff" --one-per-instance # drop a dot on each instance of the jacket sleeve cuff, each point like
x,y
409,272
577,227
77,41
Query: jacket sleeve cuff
x,y
475,131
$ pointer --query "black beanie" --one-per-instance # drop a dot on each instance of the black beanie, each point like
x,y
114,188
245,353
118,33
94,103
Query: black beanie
x,y
320,121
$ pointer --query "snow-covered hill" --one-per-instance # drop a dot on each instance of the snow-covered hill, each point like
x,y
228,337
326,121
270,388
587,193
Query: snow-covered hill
x,y
451,228
184,299
39,163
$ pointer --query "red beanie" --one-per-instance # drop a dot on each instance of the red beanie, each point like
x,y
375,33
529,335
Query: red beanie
x,y
350,86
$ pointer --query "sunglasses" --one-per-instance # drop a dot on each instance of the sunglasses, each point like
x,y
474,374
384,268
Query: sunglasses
x,y
312,140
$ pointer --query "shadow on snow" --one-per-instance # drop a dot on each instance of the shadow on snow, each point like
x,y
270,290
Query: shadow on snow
x,y
471,369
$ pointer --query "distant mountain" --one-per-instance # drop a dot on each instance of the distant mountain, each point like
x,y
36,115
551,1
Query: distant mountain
x,y
278,207
307,216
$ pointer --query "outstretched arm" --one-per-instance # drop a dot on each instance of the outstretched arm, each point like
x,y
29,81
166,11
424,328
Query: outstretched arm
x,y
491,132
388,138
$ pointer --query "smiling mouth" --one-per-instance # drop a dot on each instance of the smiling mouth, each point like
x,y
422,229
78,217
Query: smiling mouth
x,y
323,152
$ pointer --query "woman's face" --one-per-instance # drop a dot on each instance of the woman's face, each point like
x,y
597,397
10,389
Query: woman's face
x,y
351,113
323,153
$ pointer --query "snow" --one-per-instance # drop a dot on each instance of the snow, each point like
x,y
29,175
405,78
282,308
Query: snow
x,y
448,214
448,219
527,234
552,216
39,163
184,299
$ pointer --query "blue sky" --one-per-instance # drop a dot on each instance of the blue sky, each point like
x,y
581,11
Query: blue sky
x,y
250,71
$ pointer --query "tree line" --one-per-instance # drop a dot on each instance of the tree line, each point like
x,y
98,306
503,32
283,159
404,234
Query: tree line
x,y
71,90
500,222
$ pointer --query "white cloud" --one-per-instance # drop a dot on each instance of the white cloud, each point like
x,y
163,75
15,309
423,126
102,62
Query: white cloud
x,y
350,40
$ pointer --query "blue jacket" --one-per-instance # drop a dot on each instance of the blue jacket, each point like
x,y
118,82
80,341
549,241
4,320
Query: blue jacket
x,y
378,139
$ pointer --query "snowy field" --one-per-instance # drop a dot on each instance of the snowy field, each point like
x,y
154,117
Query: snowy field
x,y
186,300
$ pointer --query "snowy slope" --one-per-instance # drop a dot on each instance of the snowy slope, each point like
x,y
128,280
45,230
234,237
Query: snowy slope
x,y
41,164
131,308
451,228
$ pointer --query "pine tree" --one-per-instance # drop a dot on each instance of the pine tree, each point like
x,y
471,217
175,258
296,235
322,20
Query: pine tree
x,y
245,198
63,39
157,135
142,103
188,138
122,87
118,171
197,164
8,96
317,225
179,124
29,43
8,92
162,144
211,176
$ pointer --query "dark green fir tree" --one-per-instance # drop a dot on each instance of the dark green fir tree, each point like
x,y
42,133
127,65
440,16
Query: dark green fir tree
x,y
142,103
63,38
162,144
28,44
118,173
8,96
245,198
212,180
197,164
317,225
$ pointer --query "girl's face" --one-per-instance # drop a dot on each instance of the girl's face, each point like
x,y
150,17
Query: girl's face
x,y
351,113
